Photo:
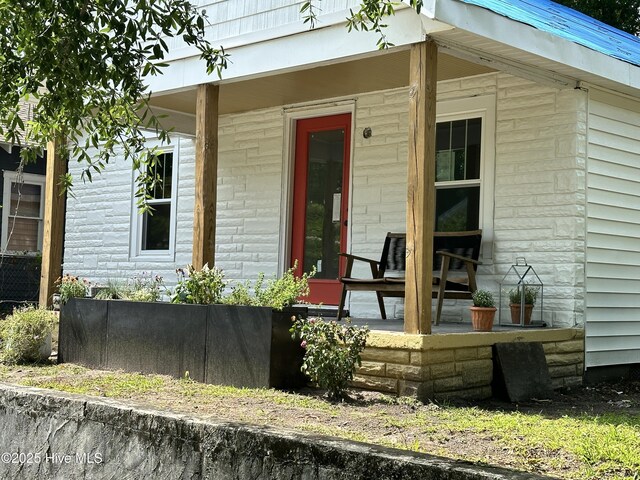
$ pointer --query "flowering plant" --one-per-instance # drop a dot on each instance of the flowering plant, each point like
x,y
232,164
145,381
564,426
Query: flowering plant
x,y
332,350
202,286
70,286
144,288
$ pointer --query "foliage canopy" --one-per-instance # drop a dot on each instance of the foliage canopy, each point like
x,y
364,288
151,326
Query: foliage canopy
x,y
621,14
82,65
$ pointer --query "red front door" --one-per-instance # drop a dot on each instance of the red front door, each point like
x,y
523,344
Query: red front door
x,y
320,202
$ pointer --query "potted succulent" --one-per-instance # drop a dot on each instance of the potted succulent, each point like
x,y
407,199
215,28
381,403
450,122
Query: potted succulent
x,y
522,294
483,310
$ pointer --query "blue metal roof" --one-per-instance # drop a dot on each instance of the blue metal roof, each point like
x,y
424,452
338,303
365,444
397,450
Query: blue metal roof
x,y
569,24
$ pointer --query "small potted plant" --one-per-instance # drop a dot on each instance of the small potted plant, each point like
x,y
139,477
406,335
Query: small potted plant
x,y
530,294
483,310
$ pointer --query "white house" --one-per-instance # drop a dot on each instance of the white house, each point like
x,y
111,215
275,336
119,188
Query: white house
x,y
537,142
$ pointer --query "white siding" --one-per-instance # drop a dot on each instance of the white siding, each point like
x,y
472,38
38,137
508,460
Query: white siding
x,y
233,18
613,232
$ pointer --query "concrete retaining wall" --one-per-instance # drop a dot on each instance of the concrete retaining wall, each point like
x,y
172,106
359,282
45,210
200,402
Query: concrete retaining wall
x,y
52,435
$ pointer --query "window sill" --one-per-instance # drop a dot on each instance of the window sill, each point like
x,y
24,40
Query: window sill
x,y
155,256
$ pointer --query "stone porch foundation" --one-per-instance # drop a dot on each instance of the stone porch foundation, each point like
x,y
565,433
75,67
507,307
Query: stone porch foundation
x,y
460,365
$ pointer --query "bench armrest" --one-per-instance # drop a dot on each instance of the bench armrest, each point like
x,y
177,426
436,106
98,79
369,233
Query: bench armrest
x,y
373,264
362,259
458,257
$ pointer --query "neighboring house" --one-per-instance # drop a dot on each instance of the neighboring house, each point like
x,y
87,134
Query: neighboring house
x,y
21,227
537,143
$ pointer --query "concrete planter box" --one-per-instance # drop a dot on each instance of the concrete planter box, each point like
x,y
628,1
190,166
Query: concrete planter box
x,y
220,344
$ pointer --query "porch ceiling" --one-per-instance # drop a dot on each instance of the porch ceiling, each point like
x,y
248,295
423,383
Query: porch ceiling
x,y
379,72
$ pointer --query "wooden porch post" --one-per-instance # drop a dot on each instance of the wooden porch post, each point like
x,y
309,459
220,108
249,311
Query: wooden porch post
x,y
53,231
421,187
204,211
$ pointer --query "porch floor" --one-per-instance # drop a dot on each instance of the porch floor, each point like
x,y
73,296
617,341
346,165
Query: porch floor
x,y
397,325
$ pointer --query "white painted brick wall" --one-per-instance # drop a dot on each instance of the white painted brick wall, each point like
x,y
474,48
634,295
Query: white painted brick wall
x,y
249,186
98,228
539,187
540,190
538,212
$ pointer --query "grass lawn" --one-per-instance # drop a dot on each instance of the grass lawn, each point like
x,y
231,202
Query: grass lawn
x,y
587,433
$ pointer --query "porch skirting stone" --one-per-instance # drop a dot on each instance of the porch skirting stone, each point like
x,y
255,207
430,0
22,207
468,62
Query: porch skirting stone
x,y
460,365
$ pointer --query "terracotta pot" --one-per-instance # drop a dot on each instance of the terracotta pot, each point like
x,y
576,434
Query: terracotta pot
x,y
482,318
515,313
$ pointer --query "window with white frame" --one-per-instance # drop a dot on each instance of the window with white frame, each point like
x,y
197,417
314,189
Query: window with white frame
x,y
465,141
22,212
458,147
155,230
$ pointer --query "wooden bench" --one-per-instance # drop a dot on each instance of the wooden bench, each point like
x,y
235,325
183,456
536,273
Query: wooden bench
x,y
455,263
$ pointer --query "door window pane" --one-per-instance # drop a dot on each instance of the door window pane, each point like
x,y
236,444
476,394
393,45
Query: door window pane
x,y
324,190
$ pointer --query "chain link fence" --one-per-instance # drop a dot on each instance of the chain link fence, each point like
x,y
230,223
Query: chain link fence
x,y
19,281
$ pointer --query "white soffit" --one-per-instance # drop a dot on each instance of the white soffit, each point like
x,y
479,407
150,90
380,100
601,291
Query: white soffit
x,y
495,35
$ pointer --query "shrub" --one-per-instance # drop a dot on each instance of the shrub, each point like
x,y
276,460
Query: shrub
x,y
332,351
530,294
72,287
483,299
284,291
203,286
24,332
240,295
277,293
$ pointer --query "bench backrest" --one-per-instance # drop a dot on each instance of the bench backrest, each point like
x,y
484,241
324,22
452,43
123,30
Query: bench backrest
x,y
465,244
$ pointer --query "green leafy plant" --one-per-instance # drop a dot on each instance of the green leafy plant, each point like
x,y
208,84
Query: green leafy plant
x,y
70,286
332,351
143,287
277,293
530,294
285,291
240,295
202,286
113,290
101,110
483,299
24,333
